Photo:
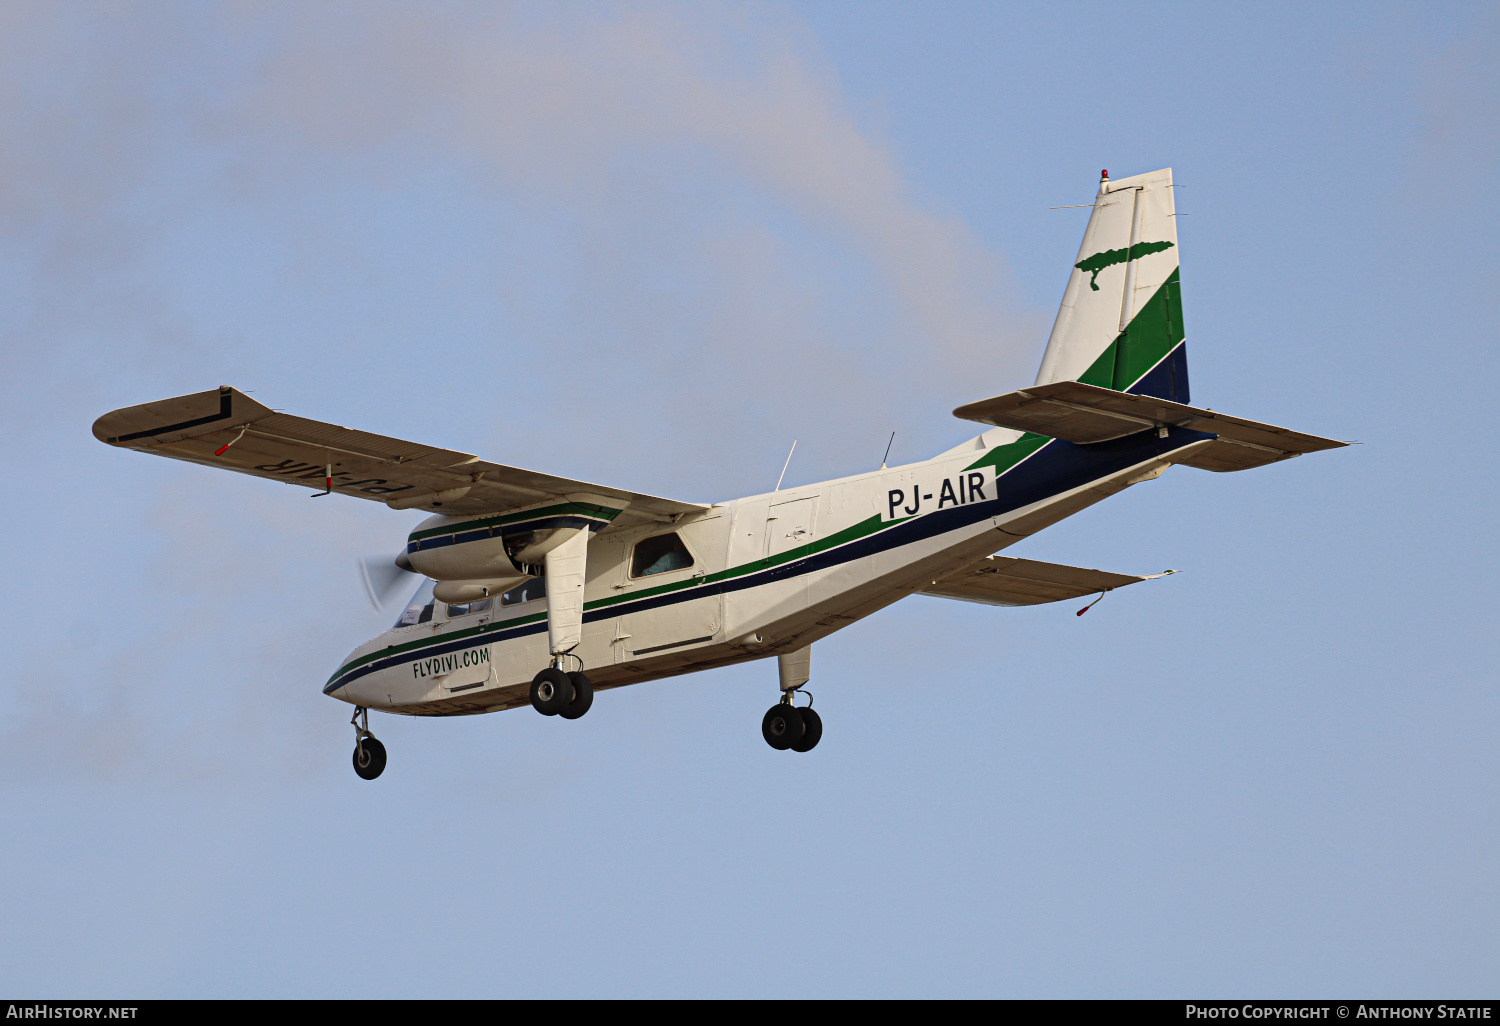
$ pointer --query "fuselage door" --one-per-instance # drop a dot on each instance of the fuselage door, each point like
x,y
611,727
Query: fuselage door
x,y
747,536
663,569
791,524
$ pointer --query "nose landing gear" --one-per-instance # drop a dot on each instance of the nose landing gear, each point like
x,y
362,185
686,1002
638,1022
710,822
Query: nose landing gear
x,y
369,754
786,727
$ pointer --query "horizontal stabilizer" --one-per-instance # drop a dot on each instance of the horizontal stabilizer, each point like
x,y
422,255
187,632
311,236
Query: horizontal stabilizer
x,y
1008,581
1075,412
228,429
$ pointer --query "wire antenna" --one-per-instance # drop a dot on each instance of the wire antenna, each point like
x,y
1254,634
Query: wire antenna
x,y
887,450
1094,603
788,463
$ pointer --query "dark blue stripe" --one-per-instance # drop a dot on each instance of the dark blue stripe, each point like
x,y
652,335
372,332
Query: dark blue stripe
x,y
499,634
1056,467
1168,379
543,523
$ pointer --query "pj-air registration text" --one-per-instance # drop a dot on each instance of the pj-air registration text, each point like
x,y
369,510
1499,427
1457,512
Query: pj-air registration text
x,y
920,497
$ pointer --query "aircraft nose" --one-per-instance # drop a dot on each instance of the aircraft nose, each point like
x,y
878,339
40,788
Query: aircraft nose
x,y
336,685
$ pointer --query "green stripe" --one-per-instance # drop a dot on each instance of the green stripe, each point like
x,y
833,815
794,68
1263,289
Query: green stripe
x,y
1154,331
860,530
1001,457
435,639
848,534
576,509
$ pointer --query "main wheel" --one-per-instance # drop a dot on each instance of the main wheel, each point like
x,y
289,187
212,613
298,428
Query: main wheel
x,y
551,691
812,730
369,758
781,726
583,697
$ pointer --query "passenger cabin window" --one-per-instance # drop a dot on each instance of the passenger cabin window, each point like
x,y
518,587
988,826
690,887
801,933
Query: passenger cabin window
x,y
468,608
659,555
419,609
533,589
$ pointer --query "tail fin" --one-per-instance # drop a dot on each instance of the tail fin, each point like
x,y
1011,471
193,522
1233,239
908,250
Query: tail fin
x,y
1120,324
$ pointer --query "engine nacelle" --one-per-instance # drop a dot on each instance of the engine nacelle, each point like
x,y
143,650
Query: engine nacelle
x,y
449,549
493,548
474,591
529,549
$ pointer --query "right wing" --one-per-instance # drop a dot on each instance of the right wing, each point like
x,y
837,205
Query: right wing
x,y
1008,581
226,428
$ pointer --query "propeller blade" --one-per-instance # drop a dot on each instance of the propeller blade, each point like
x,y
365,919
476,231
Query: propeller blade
x,y
382,579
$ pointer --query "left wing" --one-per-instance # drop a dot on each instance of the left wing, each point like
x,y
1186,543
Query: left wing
x,y
1085,414
226,428
1008,581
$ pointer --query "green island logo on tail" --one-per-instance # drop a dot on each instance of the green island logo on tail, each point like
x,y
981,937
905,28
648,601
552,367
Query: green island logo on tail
x,y
1099,261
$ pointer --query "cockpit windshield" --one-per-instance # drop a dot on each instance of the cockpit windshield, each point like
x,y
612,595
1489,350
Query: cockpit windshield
x,y
419,609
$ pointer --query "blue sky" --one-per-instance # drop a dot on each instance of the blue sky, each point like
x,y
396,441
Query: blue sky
x,y
651,245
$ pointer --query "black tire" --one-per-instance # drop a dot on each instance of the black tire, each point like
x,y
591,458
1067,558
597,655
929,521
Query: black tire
x,y
374,758
551,691
781,726
812,731
583,697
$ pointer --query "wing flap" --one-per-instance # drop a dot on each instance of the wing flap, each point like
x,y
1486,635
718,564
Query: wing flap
x,y
1085,414
226,428
292,430
1009,581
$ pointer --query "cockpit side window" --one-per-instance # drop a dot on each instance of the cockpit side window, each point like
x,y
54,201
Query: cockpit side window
x,y
532,589
419,609
469,607
659,554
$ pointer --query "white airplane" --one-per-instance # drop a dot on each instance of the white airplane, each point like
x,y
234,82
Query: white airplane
x,y
543,589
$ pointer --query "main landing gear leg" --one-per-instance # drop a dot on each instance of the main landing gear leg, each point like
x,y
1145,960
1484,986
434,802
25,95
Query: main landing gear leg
x,y
369,754
785,726
555,691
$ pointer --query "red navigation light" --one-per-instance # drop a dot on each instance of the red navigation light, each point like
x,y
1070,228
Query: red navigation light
x,y
1104,174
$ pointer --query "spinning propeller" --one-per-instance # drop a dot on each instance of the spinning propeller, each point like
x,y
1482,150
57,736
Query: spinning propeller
x,y
383,578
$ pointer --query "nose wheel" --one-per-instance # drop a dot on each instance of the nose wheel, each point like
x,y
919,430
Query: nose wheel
x,y
369,754
789,728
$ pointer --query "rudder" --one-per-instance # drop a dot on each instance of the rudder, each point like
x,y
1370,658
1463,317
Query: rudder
x,y
1120,323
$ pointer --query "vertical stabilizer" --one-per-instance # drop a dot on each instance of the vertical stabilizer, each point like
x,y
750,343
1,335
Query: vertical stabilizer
x,y
1120,324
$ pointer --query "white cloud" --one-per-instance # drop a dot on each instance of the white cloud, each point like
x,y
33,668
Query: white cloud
x,y
735,261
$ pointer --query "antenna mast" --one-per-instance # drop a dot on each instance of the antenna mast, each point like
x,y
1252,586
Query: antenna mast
x,y
788,463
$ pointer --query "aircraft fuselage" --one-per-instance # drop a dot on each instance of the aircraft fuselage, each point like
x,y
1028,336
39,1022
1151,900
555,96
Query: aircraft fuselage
x,y
769,574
